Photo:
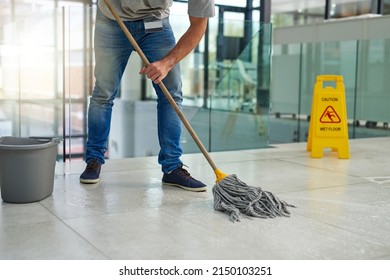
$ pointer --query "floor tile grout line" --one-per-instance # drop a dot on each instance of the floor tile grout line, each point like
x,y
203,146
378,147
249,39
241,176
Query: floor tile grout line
x,y
73,230
362,237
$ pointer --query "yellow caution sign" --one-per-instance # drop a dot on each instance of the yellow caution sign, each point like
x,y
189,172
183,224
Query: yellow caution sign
x,y
328,121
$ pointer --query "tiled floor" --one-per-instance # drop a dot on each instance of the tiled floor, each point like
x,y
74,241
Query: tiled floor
x,y
343,210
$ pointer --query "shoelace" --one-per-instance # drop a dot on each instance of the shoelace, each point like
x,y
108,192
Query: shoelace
x,y
182,171
92,165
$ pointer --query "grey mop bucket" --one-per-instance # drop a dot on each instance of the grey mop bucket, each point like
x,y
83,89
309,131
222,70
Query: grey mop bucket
x,y
27,168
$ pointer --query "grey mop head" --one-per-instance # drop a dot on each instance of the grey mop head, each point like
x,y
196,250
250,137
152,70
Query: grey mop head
x,y
238,199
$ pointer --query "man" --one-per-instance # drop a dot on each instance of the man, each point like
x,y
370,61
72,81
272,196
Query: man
x,y
148,22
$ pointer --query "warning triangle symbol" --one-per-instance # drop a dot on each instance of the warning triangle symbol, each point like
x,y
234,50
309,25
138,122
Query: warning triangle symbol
x,y
330,116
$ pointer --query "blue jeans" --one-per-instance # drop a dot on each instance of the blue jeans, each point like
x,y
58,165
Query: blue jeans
x,y
112,51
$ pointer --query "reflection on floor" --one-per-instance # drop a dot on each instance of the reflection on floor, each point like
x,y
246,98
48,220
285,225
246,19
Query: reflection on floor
x,y
342,210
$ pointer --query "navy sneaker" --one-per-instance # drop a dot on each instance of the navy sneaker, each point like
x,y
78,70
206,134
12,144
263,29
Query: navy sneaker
x,y
91,174
182,179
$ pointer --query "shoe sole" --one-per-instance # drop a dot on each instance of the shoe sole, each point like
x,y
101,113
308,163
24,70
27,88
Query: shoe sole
x,y
202,189
89,181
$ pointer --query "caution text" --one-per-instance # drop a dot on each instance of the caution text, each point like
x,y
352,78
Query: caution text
x,y
330,128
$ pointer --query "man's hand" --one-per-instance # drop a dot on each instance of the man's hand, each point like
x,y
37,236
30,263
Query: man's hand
x,y
158,70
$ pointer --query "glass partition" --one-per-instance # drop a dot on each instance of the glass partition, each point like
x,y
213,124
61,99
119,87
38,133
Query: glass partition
x,y
46,78
31,102
78,63
233,112
289,13
364,65
348,8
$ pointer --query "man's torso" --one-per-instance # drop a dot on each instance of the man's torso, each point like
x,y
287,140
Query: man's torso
x,y
141,9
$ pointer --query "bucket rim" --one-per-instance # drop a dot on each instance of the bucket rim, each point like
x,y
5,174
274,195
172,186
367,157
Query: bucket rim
x,y
46,143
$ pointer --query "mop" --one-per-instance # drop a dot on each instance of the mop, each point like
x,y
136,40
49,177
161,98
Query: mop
x,y
231,195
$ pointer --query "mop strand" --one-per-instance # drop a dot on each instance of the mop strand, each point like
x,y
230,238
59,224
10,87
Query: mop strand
x,y
236,198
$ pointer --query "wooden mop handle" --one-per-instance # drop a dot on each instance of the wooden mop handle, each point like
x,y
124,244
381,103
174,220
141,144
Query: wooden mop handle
x,y
162,86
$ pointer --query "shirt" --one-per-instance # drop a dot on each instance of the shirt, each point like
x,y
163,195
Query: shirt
x,y
141,9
